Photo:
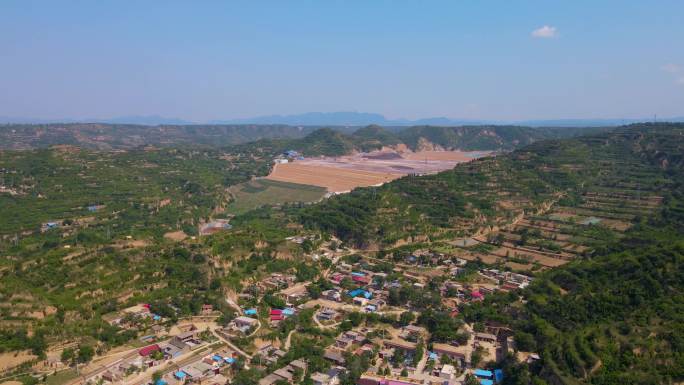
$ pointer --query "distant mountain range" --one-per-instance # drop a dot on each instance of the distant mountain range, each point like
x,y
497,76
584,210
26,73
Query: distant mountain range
x,y
356,119
312,140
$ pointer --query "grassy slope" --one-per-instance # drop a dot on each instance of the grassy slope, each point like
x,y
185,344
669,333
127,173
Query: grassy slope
x,y
251,195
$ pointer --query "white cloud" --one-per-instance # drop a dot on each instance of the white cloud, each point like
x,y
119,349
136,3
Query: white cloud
x,y
676,70
545,32
671,68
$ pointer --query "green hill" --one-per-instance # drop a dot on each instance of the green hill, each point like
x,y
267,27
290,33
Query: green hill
x,y
374,137
483,137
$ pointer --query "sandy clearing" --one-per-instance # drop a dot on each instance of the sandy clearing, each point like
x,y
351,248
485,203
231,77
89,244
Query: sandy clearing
x,y
459,156
332,178
13,359
344,173
176,236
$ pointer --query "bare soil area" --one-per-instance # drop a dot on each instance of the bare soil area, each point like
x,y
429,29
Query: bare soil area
x,y
13,359
344,173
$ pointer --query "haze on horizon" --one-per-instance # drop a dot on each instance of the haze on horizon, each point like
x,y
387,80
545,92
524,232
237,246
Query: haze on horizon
x,y
203,61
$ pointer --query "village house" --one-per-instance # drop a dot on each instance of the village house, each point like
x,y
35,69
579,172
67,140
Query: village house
x,y
327,315
334,355
485,337
456,353
287,373
447,372
332,295
412,332
244,324
148,350
295,294
397,344
331,377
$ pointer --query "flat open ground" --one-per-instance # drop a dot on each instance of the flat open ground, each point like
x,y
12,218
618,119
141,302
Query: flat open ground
x,y
250,195
12,359
331,178
344,173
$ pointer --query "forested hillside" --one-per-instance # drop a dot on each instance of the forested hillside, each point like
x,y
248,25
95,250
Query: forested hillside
x,y
618,317
483,137
491,191
125,136
344,139
611,317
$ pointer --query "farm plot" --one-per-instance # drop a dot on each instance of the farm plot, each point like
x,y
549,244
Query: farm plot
x,y
332,178
250,195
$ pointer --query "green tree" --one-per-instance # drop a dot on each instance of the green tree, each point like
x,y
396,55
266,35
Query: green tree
x,y
85,353
68,355
406,318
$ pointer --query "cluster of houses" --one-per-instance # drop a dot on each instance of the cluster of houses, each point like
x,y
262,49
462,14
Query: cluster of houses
x,y
510,280
445,376
397,350
275,281
288,156
132,316
369,292
243,325
291,373
400,356
154,355
208,370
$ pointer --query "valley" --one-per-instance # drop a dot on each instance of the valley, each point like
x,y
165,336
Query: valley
x,y
446,269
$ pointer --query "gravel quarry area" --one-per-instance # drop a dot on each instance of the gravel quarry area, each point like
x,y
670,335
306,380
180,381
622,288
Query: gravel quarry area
x,y
344,173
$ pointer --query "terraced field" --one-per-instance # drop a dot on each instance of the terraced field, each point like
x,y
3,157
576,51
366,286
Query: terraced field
x,y
623,191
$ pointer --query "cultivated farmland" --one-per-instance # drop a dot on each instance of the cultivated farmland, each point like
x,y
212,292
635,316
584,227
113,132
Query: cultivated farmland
x,y
250,195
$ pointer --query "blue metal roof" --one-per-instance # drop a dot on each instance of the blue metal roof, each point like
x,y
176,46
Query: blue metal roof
x,y
483,373
498,375
360,292
486,382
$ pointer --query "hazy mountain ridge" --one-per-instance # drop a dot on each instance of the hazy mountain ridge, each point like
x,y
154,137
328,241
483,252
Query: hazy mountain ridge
x,y
340,118
343,139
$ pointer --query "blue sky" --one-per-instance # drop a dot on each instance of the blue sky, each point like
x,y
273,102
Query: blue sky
x,y
205,60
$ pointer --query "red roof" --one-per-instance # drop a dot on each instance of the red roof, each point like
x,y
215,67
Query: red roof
x,y
357,278
366,381
276,312
476,294
277,317
147,350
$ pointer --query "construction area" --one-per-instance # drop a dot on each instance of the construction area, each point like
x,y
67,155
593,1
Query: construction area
x,y
344,173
